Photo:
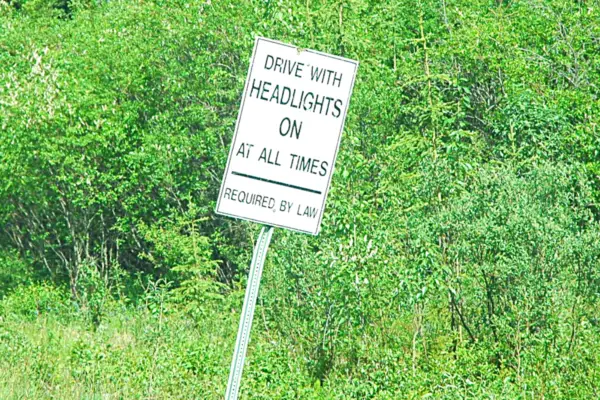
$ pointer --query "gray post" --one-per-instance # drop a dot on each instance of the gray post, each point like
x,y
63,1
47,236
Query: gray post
x,y
243,335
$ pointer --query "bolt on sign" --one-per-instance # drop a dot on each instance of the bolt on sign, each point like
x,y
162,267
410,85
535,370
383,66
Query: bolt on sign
x,y
287,136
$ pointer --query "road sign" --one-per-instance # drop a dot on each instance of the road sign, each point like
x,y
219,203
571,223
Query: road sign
x,y
287,136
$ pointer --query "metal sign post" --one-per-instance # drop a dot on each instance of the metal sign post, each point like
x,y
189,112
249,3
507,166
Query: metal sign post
x,y
243,335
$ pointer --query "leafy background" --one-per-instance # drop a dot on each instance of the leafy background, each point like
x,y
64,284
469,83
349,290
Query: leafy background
x,y
459,251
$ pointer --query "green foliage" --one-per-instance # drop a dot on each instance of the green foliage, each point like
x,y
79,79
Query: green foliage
x,y
95,292
35,300
459,246
514,254
114,146
184,255
14,271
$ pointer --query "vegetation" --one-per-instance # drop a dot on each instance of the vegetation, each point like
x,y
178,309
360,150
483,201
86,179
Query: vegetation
x,y
459,252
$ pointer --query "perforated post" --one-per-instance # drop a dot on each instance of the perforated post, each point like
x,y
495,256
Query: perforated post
x,y
243,335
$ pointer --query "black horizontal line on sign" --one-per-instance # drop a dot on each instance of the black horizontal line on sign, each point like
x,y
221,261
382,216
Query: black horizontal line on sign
x,y
257,178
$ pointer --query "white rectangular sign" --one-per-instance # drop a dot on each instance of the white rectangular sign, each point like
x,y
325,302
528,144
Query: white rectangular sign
x,y
287,136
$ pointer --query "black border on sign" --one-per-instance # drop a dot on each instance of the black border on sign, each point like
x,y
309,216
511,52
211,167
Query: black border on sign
x,y
237,124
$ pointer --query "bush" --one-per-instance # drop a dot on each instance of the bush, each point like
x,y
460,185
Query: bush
x,y
14,271
36,300
181,253
511,258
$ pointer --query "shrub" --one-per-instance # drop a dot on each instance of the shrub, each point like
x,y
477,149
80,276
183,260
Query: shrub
x,y
179,251
36,300
14,271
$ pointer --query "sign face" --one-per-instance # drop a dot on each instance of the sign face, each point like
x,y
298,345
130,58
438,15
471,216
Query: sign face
x,y
287,136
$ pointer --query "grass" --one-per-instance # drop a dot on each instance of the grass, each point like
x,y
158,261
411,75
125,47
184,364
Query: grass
x,y
154,351
151,351
133,354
